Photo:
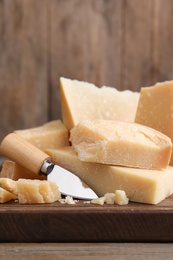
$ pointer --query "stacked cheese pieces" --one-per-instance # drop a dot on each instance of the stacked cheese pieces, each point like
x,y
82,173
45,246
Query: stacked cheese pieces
x,y
109,151
141,165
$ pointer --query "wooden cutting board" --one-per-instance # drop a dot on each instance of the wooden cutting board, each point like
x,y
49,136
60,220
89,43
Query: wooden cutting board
x,y
86,222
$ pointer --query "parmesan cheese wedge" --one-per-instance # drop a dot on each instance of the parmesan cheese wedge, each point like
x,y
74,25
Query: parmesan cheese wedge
x,y
12,170
155,108
50,135
83,100
121,143
6,196
36,191
140,185
9,185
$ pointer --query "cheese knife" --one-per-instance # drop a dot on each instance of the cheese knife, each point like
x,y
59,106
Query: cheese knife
x,y
29,156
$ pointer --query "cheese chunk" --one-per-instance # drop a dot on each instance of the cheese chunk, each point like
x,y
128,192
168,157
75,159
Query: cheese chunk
x,y
140,185
14,171
121,198
9,185
82,100
155,108
50,135
36,191
121,143
6,196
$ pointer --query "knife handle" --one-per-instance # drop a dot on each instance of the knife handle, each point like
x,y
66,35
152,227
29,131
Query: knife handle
x,y
22,152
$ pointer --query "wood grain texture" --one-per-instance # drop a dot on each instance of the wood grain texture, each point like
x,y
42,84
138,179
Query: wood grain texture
x,y
137,44
163,42
86,222
23,65
87,251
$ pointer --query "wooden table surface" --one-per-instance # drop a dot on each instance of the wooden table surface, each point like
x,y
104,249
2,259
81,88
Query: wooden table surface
x,y
94,251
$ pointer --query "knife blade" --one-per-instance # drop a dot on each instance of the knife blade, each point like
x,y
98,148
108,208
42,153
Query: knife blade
x,y
29,156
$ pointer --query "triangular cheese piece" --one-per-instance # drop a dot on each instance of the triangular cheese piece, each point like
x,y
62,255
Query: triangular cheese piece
x,y
82,100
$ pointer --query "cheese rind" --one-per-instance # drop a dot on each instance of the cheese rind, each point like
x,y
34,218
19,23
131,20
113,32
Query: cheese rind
x,y
155,108
37,191
50,135
83,100
140,185
121,143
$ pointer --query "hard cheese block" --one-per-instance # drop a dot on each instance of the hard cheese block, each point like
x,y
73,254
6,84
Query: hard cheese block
x,y
121,143
140,185
82,100
6,196
155,108
50,135
14,171
9,185
36,191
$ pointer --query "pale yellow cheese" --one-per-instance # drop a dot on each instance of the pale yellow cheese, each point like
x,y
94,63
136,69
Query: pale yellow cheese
x,y
119,197
50,135
155,108
6,196
121,143
83,100
140,185
9,185
14,171
37,191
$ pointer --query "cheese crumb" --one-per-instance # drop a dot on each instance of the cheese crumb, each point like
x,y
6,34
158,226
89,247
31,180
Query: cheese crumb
x,y
68,200
119,197
99,201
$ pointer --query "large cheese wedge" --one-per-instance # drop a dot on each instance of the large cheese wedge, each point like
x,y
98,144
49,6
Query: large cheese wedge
x,y
140,185
121,143
6,196
155,108
50,135
82,100
37,191
14,171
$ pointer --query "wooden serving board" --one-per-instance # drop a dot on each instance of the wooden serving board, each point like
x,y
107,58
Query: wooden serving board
x,y
87,222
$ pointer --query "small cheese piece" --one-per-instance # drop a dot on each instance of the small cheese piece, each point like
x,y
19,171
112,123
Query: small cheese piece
x,y
120,197
14,171
6,196
83,100
68,200
121,143
140,185
155,108
50,135
9,185
99,201
37,191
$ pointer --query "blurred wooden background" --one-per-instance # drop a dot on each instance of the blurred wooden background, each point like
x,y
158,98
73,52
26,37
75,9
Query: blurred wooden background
x,y
125,44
